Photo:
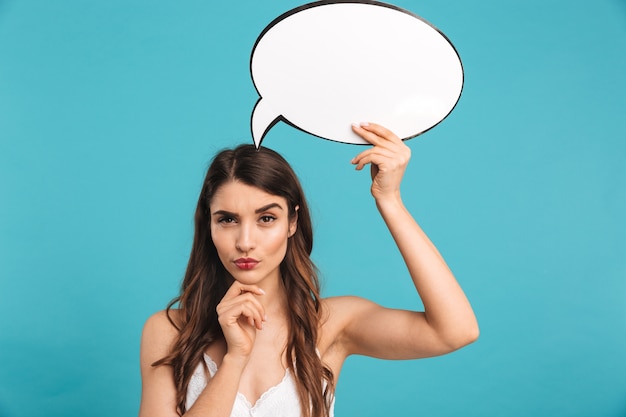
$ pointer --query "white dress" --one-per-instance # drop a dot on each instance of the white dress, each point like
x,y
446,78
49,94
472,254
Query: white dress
x,y
281,400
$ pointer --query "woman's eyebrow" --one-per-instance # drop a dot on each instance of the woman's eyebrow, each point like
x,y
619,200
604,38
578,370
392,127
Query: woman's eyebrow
x,y
224,213
257,211
267,207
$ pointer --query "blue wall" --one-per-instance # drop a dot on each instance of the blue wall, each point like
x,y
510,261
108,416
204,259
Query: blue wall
x,y
110,111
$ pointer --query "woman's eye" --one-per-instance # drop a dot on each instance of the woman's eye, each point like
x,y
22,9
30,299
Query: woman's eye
x,y
267,219
226,220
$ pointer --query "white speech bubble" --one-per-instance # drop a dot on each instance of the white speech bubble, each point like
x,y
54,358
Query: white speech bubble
x,y
325,65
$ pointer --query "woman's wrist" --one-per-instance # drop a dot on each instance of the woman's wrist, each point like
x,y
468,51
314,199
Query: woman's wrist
x,y
389,201
235,361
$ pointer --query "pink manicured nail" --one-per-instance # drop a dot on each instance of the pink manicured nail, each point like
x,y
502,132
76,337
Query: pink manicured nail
x,y
364,124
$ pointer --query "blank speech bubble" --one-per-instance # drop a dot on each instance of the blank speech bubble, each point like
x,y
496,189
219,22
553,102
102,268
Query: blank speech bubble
x,y
325,65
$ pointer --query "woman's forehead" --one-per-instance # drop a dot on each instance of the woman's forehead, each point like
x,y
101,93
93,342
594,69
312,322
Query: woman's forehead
x,y
235,196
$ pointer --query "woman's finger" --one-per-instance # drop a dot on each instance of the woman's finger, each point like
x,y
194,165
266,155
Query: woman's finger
x,y
395,152
251,316
238,288
376,156
244,298
375,133
388,159
231,314
230,309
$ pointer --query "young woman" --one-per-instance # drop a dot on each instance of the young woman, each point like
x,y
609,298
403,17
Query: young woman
x,y
251,334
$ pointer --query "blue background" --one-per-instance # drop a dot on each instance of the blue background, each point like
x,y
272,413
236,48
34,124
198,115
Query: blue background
x,y
111,110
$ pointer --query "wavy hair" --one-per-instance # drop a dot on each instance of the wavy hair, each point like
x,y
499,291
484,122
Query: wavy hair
x,y
206,281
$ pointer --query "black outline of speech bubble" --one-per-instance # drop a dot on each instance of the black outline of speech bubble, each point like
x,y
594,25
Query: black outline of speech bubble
x,y
281,118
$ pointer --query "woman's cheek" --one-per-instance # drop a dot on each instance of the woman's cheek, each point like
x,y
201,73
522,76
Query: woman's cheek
x,y
220,240
277,238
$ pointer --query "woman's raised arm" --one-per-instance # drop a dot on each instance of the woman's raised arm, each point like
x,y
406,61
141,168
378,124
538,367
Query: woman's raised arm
x,y
448,321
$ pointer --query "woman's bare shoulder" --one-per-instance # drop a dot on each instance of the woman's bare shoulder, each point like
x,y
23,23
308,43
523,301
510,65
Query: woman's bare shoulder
x,y
163,320
340,308
337,312
159,333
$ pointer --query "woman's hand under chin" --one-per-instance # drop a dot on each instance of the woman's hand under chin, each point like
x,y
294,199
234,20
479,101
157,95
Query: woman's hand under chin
x,y
240,315
388,159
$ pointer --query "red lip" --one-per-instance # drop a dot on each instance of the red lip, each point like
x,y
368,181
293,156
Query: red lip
x,y
246,263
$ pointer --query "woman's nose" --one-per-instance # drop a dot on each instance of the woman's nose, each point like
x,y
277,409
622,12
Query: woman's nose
x,y
245,238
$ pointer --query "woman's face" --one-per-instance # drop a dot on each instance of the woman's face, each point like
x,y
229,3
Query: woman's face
x,y
250,229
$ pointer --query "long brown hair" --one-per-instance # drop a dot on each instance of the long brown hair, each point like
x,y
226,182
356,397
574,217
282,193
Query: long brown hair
x,y
206,281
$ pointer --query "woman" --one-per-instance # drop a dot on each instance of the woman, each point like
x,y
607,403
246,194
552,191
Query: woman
x,y
251,335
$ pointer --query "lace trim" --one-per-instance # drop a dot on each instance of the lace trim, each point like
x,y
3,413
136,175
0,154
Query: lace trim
x,y
280,400
210,364
266,394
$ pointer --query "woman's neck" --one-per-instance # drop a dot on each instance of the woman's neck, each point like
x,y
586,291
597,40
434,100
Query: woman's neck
x,y
274,300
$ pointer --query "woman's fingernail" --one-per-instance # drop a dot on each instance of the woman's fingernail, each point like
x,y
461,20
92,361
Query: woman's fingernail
x,y
261,291
356,125
364,124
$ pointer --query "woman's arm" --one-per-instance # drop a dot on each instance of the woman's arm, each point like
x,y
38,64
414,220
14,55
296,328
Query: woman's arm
x,y
158,393
448,321
240,315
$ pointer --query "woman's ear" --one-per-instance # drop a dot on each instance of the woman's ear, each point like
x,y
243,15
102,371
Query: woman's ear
x,y
293,223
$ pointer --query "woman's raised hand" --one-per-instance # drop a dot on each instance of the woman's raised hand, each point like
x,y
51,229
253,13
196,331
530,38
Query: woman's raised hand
x,y
240,315
388,159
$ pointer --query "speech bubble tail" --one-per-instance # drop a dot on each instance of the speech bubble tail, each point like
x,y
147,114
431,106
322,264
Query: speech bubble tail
x,y
262,120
